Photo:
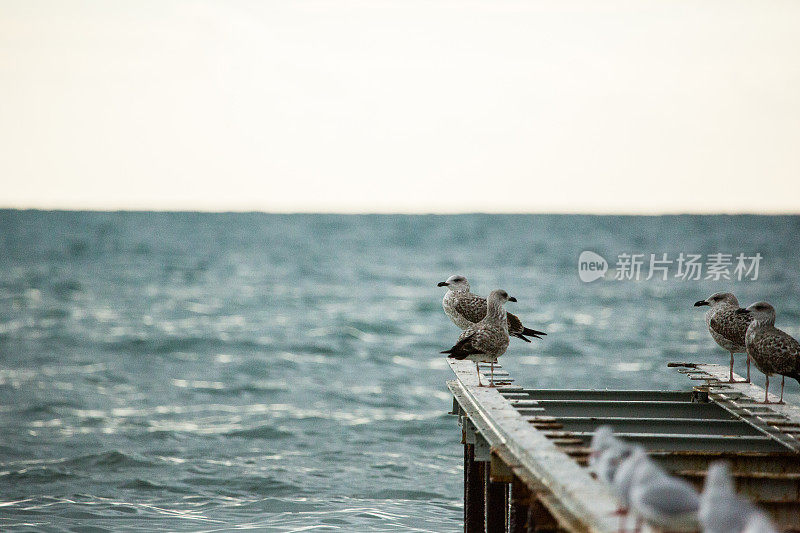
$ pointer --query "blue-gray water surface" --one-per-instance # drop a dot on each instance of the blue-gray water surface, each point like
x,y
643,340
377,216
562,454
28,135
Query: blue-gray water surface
x,y
210,372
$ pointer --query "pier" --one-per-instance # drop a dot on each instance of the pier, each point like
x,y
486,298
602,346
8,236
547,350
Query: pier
x,y
526,450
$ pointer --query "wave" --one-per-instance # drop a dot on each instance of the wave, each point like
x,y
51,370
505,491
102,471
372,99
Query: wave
x,y
37,474
146,485
403,494
111,459
260,432
245,485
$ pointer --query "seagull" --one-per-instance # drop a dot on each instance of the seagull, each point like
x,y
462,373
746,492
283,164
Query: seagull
x,y
726,326
772,350
660,499
759,523
623,477
488,339
602,440
608,462
721,510
606,467
465,308
607,454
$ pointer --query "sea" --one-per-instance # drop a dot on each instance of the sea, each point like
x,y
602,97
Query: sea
x,y
216,372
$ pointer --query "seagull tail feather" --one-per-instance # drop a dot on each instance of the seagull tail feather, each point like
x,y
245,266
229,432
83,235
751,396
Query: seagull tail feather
x,y
457,356
521,336
532,332
462,349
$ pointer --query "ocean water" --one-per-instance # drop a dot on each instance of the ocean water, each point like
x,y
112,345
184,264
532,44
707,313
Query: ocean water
x,y
211,372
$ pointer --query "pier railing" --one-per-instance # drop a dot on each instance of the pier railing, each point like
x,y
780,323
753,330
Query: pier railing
x,y
525,450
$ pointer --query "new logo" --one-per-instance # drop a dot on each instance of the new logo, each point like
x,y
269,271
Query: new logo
x,y
591,266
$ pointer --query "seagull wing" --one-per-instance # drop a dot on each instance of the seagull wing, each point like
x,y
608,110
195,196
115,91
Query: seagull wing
x,y
784,351
471,306
464,348
731,325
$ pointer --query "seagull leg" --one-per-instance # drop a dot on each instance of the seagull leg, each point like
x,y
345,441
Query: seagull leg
x,y
783,379
478,370
491,376
622,513
766,390
731,378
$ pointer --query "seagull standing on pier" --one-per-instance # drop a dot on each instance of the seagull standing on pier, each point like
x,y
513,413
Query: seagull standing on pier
x,y
607,453
726,326
660,499
759,523
622,478
466,309
721,509
488,339
773,351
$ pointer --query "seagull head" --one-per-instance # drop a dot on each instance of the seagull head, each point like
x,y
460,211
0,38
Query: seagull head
x,y
501,296
643,471
718,479
602,440
719,298
762,312
456,283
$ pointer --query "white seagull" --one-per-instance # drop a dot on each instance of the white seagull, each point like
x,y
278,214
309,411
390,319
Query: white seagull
x,y
721,510
663,500
759,523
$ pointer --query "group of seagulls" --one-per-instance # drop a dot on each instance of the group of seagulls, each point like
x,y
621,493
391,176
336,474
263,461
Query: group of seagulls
x,y
752,331
487,328
644,489
487,325
641,486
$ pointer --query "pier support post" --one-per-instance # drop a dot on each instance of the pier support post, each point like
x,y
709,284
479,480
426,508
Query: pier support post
x,y
474,473
495,499
519,498
539,518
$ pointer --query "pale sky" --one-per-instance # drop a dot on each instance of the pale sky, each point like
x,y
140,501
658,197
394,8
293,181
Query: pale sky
x,y
559,106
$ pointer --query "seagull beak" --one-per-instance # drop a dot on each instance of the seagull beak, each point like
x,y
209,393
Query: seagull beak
x,y
512,299
742,312
700,303
442,284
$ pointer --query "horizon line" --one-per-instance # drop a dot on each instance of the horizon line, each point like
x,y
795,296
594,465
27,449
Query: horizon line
x,y
403,213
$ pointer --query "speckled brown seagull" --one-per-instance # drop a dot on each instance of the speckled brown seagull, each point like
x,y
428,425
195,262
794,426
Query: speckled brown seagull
x,y
726,326
487,340
772,350
466,309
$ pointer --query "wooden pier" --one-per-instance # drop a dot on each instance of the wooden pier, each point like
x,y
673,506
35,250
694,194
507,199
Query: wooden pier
x,y
525,450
